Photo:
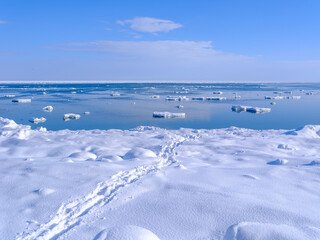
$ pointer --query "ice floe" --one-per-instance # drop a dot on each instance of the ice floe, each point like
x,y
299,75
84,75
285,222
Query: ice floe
x,y
179,98
239,108
208,98
48,109
282,97
71,116
168,115
38,120
20,100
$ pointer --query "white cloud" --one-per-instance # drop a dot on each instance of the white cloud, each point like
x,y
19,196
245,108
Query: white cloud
x,y
3,22
151,25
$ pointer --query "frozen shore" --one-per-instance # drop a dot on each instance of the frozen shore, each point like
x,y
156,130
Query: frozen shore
x,y
169,184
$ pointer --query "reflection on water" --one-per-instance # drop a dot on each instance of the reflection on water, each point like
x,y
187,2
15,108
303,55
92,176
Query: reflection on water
x,y
126,106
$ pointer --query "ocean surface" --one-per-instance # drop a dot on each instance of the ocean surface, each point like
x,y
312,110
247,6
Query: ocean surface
x,y
128,105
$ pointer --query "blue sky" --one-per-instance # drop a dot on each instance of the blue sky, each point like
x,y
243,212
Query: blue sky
x,y
217,40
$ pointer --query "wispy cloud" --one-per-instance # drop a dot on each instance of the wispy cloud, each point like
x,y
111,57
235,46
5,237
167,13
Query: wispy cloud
x,y
150,25
192,50
3,22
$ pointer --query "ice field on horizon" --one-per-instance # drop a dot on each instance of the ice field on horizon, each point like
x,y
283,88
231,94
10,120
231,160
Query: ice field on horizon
x,y
153,183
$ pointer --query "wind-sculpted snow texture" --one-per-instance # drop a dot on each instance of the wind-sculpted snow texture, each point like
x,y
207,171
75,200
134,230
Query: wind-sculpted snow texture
x,y
183,184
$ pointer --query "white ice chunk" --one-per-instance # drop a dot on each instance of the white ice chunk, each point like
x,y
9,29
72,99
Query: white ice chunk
x,y
21,100
217,92
258,110
180,98
238,108
115,94
70,116
86,113
199,98
38,120
181,92
155,96
208,98
296,97
216,98
168,115
9,96
180,106
47,109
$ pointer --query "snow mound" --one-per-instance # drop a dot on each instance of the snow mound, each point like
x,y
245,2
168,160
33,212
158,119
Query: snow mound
x,y
266,231
278,162
9,128
139,153
128,232
312,131
83,156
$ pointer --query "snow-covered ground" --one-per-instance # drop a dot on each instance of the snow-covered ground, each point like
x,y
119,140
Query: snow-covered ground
x,y
151,183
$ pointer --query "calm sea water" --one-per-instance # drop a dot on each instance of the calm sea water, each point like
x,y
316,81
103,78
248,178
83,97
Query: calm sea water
x,y
134,107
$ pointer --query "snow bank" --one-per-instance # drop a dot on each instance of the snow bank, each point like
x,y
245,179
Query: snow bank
x,y
180,184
